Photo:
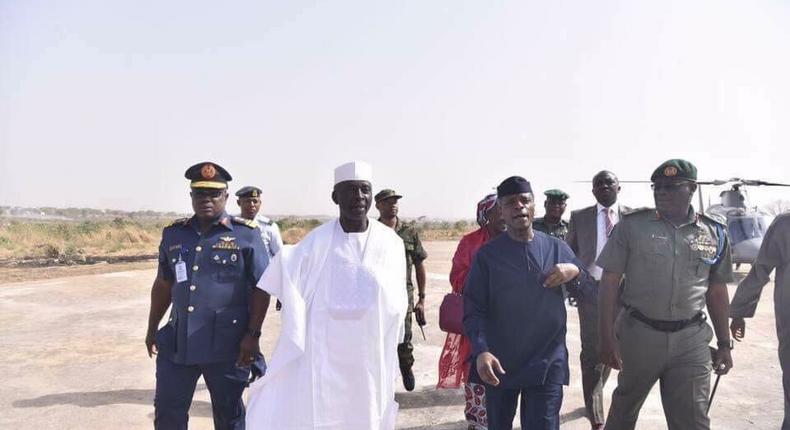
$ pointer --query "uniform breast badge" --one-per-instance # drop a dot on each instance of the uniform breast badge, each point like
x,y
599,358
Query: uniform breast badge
x,y
226,242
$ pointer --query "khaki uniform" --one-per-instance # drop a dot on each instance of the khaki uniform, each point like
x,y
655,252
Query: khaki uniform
x,y
415,254
774,254
560,231
667,271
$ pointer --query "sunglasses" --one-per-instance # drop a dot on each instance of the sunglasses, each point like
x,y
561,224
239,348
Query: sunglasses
x,y
212,194
669,186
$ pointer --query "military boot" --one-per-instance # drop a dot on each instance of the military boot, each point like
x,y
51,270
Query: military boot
x,y
408,378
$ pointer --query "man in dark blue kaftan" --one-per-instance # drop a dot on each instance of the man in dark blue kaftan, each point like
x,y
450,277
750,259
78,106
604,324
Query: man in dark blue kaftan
x,y
514,315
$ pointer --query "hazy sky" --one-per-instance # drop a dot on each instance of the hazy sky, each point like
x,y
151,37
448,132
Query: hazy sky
x,y
105,104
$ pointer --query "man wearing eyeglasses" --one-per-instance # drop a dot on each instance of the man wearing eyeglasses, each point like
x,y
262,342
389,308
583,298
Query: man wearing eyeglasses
x,y
676,263
208,266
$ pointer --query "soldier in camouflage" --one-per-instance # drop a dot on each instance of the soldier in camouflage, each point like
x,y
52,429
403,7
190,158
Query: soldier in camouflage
x,y
387,205
552,223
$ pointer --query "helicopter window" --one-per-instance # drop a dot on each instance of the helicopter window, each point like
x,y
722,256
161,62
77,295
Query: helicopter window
x,y
745,228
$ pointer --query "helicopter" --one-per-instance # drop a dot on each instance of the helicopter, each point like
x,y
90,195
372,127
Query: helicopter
x,y
746,225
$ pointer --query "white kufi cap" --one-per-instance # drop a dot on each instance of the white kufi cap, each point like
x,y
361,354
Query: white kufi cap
x,y
353,171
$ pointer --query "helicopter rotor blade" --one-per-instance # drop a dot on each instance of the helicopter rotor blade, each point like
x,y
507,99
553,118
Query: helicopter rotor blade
x,y
622,182
735,181
759,182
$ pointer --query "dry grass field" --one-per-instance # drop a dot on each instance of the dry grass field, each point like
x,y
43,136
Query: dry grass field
x,y
46,243
72,241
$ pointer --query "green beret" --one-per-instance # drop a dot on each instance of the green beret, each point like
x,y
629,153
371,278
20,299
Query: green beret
x,y
675,169
556,194
385,194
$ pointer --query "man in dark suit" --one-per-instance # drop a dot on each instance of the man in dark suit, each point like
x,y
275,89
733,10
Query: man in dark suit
x,y
588,232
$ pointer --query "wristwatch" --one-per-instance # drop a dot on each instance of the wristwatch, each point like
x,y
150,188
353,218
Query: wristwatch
x,y
421,295
729,344
254,333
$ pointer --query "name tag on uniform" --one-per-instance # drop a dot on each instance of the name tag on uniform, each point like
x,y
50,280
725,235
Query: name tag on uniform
x,y
181,271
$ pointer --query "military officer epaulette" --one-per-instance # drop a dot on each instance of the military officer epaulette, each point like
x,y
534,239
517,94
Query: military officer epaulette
x,y
179,222
264,220
244,221
718,219
634,211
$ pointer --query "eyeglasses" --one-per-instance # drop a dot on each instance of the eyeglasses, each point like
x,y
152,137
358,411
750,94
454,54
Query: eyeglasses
x,y
668,186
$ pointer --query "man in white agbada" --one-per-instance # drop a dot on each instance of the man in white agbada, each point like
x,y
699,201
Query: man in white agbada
x,y
344,304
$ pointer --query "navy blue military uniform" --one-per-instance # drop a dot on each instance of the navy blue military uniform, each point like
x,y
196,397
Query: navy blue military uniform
x,y
212,276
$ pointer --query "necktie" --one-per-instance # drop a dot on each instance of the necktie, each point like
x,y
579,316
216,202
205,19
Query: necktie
x,y
609,219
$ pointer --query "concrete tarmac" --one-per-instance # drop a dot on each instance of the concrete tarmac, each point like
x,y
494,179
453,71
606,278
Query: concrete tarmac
x,y
73,357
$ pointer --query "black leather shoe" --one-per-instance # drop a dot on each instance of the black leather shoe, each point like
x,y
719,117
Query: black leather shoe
x,y
408,379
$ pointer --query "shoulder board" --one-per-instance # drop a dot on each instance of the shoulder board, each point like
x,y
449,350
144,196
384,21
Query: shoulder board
x,y
718,219
264,220
179,222
637,211
244,221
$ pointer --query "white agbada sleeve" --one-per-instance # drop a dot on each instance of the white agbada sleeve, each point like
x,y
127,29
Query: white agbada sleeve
x,y
288,278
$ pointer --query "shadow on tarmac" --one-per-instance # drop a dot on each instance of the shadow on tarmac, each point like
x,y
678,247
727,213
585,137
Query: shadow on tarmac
x,y
429,398
458,425
92,399
573,415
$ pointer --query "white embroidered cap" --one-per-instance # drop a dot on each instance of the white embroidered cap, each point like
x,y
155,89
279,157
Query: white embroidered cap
x,y
353,171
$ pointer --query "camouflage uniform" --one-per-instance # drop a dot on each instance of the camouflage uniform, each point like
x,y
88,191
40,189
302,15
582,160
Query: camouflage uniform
x,y
415,254
560,231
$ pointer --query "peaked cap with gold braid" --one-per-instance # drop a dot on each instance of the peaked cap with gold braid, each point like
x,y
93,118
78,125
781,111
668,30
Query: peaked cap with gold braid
x,y
208,175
